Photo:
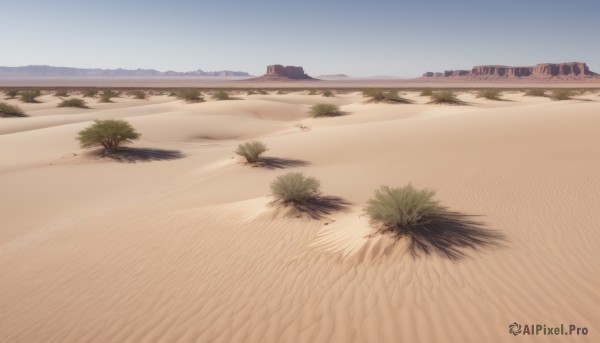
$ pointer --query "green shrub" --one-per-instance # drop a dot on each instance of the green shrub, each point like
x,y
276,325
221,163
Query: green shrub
x,y
61,93
7,110
139,95
30,95
294,188
390,96
251,151
107,133
108,94
444,97
426,92
189,95
491,94
12,93
75,102
324,110
561,94
221,95
401,210
535,92
90,93
327,93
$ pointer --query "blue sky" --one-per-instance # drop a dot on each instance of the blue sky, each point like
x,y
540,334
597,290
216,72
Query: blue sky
x,y
359,38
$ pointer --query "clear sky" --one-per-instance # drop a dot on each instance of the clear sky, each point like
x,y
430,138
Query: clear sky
x,y
359,38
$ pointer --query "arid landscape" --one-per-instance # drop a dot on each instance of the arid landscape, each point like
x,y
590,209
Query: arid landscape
x,y
176,238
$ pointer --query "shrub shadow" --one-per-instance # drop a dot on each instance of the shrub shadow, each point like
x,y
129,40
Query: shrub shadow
x,y
134,155
455,102
279,163
449,234
317,207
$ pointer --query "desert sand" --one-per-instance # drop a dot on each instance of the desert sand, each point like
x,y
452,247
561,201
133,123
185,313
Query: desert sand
x,y
180,244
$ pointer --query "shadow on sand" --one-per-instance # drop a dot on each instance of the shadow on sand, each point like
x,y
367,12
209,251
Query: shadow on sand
x,y
134,155
449,233
279,163
317,207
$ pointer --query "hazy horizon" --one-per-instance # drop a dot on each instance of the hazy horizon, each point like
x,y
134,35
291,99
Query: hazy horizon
x,y
381,38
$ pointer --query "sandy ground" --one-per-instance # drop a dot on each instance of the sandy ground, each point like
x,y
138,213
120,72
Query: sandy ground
x,y
179,242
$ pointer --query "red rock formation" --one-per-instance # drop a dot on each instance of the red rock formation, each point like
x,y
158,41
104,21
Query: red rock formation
x,y
573,70
277,70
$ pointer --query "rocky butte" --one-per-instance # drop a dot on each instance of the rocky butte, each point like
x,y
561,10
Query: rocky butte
x,y
277,72
562,71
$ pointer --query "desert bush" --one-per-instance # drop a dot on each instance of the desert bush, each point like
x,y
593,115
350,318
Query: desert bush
x,y
30,95
491,94
262,92
325,110
107,133
561,94
189,95
75,102
312,92
12,93
401,210
221,95
7,110
327,93
139,95
108,94
444,97
251,92
426,92
535,92
90,93
61,93
378,95
251,151
294,188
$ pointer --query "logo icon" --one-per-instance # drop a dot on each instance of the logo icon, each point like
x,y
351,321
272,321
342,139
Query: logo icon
x,y
514,328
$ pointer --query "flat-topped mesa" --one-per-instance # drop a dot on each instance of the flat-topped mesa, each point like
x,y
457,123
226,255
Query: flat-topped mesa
x,y
571,70
277,71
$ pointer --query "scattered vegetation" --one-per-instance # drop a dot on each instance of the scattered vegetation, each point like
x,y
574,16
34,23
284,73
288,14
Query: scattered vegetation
x,y
90,93
535,92
7,110
491,94
108,94
312,92
444,97
221,95
327,93
139,95
561,94
294,189
189,95
61,93
75,102
426,92
107,133
30,95
390,96
12,93
251,92
251,151
325,110
262,92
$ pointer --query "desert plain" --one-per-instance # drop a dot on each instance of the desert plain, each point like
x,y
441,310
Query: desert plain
x,y
176,240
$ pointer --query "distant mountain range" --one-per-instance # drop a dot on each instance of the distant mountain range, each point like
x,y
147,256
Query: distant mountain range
x,y
43,70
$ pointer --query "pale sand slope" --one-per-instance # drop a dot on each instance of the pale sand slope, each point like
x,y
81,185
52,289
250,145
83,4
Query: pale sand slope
x,y
186,248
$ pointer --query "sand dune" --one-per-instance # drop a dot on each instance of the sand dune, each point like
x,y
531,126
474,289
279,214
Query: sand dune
x,y
182,244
